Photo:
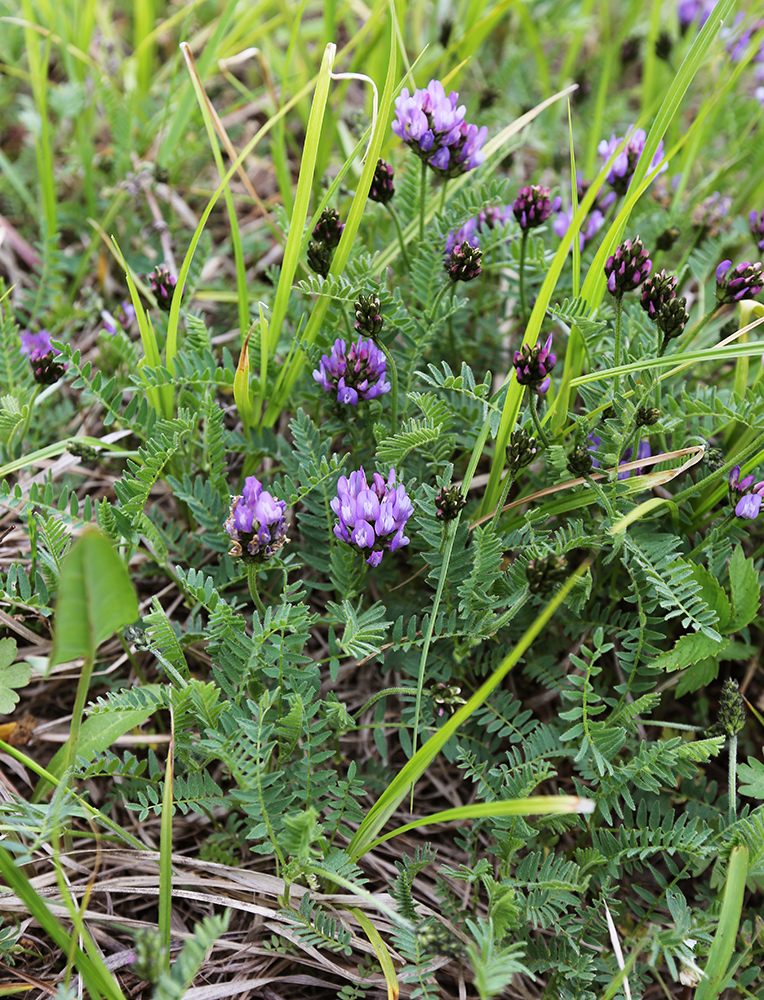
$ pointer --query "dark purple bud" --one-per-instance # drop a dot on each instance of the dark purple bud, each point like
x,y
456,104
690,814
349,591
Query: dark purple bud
x,y
532,207
756,222
382,189
672,317
627,268
368,320
464,264
744,281
162,284
521,450
328,229
533,364
319,257
656,290
448,503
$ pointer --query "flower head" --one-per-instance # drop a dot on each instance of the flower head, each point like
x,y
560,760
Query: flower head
x,y
745,495
593,222
521,450
328,230
656,290
625,163
744,281
433,125
464,263
163,286
756,222
448,503
367,318
533,364
465,154
627,268
36,345
371,517
125,316
532,207
256,523
355,374
42,355
382,189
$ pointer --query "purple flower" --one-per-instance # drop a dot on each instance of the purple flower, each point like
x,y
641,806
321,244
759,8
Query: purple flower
x,y
434,127
256,523
643,451
756,222
533,364
382,188
596,441
357,373
487,218
163,286
427,120
593,221
371,517
627,268
744,281
746,497
464,263
532,207
624,165
36,345
692,10
125,316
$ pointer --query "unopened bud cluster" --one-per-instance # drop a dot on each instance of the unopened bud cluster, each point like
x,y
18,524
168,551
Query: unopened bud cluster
x,y
580,461
465,262
532,207
731,718
448,503
327,234
627,268
382,189
646,416
521,450
744,281
665,309
162,284
533,364
368,321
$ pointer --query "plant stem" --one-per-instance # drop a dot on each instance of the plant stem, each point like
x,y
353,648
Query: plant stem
x,y
732,781
399,230
438,297
617,344
422,196
603,497
523,246
535,417
384,694
508,480
393,383
443,194
253,590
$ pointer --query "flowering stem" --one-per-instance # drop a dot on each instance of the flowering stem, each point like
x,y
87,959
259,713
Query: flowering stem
x,y
617,344
509,479
22,429
535,417
450,535
732,779
422,196
383,694
393,383
253,591
399,230
443,194
523,246
438,297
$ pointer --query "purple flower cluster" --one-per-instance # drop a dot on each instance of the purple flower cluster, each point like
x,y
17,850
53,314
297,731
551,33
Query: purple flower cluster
x,y
163,284
533,365
431,123
746,497
355,374
532,207
627,268
36,345
625,163
125,316
593,222
756,222
487,218
256,523
693,10
372,517
744,281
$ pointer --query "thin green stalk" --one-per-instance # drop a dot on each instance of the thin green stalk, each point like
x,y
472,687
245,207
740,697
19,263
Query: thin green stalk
x,y
401,241
523,247
732,779
253,589
532,403
443,195
393,371
617,343
23,427
438,297
603,497
739,459
422,199
164,918
387,692
509,479
450,535
79,707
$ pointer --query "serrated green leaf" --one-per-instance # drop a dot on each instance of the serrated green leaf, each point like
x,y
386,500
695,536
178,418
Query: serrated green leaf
x,y
95,598
751,778
744,583
713,594
698,675
689,649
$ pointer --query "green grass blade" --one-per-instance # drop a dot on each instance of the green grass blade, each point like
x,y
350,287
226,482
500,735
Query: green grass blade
x,y
164,917
96,977
410,773
723,944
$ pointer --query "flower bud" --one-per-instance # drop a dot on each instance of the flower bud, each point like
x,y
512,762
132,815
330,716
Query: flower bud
x,y
756,222
627,268
580,461
713,458
382,189
163,286
672,318
448,503
445,698
664,43
319,257
464,264
533,364
48,369
532,207
667,238
521,450
731,718
328,229
744,281
368,321
657,290
646,416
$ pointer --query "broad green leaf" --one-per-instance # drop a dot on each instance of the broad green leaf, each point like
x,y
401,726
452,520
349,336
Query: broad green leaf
x,y
723,945
751,777
698,675
12,675
713,594
689,649
95,598
744,582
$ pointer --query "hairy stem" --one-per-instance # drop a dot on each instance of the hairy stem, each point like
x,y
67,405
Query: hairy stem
x,y
532,405
523,247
